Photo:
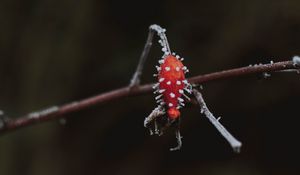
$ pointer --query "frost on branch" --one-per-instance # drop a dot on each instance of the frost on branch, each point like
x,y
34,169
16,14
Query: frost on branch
x,y
235,144
296,60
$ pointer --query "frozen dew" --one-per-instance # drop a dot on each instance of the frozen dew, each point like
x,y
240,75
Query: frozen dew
x,y
169,83
177,68
167,68
178,82
170,104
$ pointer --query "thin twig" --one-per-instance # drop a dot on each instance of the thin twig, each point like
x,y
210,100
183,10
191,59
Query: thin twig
x,y
158,111
135,80
235,144
59,112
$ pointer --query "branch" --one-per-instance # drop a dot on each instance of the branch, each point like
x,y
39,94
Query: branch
x,y
234,143
58,112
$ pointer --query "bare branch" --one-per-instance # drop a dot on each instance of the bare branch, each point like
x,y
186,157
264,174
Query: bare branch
x,y
59,112
158,111
135,81
235,144
154,114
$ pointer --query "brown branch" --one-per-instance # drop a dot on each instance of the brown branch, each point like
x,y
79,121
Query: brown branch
x,y
56,112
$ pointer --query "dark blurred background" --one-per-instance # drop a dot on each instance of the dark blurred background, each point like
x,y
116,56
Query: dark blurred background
x,y
53,52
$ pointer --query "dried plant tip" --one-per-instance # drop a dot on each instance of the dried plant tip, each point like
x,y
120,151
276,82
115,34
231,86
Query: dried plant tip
x,y
235,144
179,141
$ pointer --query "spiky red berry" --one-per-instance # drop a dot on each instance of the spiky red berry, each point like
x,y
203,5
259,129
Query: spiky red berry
x,y
172,82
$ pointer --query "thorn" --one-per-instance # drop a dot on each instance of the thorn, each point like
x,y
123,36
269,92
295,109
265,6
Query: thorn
x,y
158,68
161,80
182,104
187,90
184,68
160,100
188,98
181,59
202,111
155,85
167,53
180,99
155,75
157,97
177,56
161,61
173,53
161,90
